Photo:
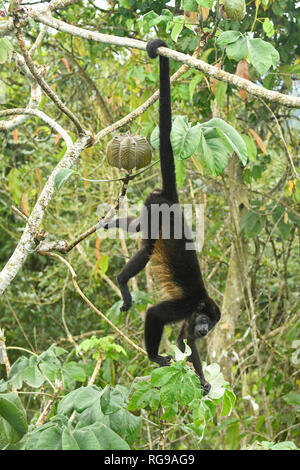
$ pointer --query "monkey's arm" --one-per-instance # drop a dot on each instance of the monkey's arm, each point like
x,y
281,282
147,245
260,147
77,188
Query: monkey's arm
x,y
196,361
132,268
194,357
128,224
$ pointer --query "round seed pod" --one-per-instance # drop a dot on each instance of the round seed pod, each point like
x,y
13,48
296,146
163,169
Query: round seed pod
x,y
235,9
128,152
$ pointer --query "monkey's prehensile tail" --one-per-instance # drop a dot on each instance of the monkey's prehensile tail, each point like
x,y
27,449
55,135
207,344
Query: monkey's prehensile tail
x,y
165,122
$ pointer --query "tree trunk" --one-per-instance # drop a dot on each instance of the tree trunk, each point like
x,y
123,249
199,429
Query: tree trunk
x,y
222,337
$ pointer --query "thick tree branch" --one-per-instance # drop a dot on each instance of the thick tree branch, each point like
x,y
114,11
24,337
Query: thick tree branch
x,y
212,71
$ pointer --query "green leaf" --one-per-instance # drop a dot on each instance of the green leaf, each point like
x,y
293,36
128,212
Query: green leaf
x,y
99,436
6,50
221,93
214,153
125,424
237,50
87,440
62,176
205,3
194,82
33,377
292,398
47,437
228,402
103,264
169,394
68,440
180,172
262,55
170,412
189,5
141,397
252,224
74,371
162,375
268,28
285,445
111,401
79,399
176,30
232,137
184,138
154,138
14,184
228,37
251,147
12,410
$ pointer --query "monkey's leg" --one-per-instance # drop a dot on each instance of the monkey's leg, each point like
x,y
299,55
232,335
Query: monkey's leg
x,y
156,318
128,224
133,267
181,337
196,361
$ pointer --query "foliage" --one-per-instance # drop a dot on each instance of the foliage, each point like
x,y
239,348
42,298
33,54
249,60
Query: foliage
x,y
62,355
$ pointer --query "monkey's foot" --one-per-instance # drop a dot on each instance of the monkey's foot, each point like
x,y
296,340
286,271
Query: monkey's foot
x,y
126,306
162,361
205,387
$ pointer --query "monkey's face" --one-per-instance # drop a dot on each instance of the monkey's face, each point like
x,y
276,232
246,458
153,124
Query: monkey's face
x,y
202,325
206,316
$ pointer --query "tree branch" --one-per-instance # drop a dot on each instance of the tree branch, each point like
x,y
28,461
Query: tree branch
x,y
41,115
83,296
43,84
211,70
30,237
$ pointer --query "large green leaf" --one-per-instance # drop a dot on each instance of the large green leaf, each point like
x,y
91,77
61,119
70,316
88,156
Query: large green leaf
x,y
262,55
12,410
252,224
161,376
229,37
231,136
184,138
213,152
47,437
237,50
99,436
73,370
33,377
68,440
125,424
79,399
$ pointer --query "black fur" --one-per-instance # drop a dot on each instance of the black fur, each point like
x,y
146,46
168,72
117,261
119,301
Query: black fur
x,y
195,307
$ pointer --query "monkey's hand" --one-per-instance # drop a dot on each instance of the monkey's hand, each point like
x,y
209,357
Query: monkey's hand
x,y
103,224
162,361
205,387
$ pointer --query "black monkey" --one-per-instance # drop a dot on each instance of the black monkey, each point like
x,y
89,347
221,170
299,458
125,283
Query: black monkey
x,y
176,267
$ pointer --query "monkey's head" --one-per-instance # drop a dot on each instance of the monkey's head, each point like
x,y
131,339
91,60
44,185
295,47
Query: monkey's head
x,y
206,316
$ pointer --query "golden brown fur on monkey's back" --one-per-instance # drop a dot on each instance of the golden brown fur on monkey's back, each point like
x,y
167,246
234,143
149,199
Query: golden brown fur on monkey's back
x,y
163,275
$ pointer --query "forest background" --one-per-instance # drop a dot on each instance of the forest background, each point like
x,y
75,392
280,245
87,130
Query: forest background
x,y
73,370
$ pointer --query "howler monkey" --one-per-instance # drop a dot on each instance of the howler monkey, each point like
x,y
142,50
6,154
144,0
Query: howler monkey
x,y
171,251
